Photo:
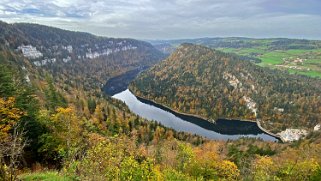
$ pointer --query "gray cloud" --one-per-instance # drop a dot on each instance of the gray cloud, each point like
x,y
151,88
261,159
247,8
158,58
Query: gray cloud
x,y
170,19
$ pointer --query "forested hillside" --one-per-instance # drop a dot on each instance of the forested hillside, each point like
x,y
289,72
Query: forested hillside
x,y
67,53
201,81
56,124
297,56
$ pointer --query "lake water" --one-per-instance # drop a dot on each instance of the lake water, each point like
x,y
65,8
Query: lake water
x,y
220,130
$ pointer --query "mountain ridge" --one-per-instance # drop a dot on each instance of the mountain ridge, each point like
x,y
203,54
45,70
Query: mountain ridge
x,y
74,54
196,71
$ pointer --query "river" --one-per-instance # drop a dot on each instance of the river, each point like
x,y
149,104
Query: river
x,y
220,130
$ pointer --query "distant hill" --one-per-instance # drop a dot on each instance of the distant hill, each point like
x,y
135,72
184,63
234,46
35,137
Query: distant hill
x,y
214,84
57,43
76,54
297,56
241,42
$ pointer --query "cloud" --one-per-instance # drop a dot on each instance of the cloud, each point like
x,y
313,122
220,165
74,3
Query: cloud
x,y
170,19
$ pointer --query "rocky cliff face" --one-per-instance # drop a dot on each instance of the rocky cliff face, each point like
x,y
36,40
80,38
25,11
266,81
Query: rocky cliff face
x,y
75,55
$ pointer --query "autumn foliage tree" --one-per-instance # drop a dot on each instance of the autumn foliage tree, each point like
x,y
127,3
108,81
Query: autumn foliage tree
x,y
9,115
11,141
65,134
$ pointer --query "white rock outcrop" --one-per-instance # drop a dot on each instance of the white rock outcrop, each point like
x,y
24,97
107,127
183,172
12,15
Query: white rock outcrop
x,y
250,104
30,51
233,81
290,135
317,127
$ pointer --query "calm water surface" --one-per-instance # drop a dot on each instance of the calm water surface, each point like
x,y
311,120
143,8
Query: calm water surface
x,y
221,130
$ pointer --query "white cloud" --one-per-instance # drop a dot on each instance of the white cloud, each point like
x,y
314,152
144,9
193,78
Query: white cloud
x,y
171,18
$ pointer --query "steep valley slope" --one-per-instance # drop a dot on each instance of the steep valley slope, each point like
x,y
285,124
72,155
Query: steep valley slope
x,y
212,84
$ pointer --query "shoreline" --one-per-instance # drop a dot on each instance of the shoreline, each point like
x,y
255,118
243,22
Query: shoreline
x,y
268,132
206,119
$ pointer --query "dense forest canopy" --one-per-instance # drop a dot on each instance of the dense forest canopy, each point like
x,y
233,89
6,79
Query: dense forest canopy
x,y
213,84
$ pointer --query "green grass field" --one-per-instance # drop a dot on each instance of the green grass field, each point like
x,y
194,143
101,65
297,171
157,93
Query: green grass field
x,y
311,65
44,176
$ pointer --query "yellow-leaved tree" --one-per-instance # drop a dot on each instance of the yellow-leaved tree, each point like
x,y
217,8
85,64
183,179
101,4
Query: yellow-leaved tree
x,y
9,115
11,140
65,135
263,168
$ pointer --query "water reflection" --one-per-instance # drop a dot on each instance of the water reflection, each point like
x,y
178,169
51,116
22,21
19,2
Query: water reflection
x,y
221,130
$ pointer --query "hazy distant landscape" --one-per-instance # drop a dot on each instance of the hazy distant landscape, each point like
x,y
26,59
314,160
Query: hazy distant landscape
x,y
297,56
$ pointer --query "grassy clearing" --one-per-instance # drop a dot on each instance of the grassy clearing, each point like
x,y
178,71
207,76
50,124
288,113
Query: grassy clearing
x,y
273,58
270,58
307,73
243,51
44,176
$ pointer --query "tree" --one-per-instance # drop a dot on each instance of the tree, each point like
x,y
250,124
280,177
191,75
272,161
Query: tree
x,y
54,98
171,174
7,86
65,134
299,170
185,156
130,169
228,170
12,140
15,149
263,168
91,105
9,115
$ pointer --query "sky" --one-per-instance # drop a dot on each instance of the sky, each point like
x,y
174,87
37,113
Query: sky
x,y
172,19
